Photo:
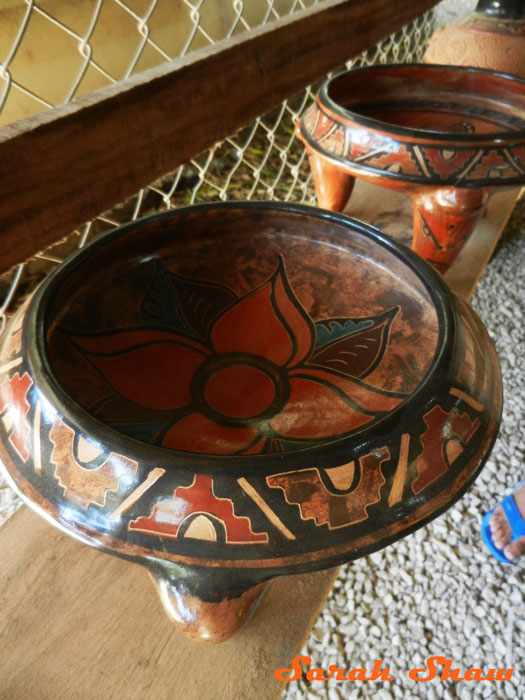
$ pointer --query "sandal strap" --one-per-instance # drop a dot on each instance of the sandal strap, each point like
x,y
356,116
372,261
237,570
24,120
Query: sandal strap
x,y
516,520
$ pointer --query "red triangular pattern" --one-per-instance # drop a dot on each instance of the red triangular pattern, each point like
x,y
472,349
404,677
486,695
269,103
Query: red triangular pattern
x,y
444,167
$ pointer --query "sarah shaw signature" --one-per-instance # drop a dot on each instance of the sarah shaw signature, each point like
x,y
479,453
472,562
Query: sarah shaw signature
x,y
383,674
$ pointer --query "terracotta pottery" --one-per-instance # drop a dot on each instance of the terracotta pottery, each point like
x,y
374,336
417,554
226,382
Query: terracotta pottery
x,y
227,393
447,136
493,36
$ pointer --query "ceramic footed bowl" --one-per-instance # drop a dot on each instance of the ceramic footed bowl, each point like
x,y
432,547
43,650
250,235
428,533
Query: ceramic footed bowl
x,y
447,136
493,36
231,392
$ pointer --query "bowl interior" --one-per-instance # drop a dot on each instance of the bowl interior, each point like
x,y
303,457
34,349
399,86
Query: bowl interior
x,y
235,331
443,99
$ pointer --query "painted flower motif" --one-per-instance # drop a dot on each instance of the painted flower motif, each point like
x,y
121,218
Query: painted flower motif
x,y
213,373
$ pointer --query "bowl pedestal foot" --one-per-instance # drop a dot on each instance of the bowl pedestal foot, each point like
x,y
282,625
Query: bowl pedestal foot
x,y
333,186
443,220
203,620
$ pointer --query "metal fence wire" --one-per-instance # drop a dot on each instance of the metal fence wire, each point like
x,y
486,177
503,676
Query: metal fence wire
x,y
54,51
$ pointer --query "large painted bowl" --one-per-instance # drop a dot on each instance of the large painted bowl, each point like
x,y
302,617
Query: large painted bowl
x,y
447,136
227,393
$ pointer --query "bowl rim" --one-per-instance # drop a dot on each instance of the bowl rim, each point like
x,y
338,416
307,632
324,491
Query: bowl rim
x,y
327,452
325,100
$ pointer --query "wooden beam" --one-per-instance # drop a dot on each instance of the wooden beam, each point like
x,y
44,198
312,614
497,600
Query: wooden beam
x,y
63,167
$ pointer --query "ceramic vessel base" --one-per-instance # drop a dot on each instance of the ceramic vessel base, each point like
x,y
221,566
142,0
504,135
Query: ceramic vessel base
x,y
333,186
443,220
207,621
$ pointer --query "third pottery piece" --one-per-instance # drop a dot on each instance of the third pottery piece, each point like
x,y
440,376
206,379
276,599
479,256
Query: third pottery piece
x,y
447,136
231,392
493,36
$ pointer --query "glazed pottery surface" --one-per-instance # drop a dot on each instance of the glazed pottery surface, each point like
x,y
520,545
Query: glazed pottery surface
x,y
447,136
491,37
230,392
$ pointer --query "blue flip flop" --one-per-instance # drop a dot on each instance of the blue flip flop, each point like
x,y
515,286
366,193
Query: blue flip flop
x,y
516,522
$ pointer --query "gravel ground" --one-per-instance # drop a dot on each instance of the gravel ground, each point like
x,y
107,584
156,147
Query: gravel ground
x,y
437,592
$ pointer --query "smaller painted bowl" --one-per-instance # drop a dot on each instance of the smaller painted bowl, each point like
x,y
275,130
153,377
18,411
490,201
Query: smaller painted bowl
x,y
447,136
231,392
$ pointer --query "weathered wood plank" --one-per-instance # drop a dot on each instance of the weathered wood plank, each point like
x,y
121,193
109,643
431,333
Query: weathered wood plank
x,y
75,623
65,166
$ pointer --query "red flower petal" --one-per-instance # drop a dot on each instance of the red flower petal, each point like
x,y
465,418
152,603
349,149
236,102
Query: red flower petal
x,y
315,410
196,433
269,322
155,374
364,395
299,323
